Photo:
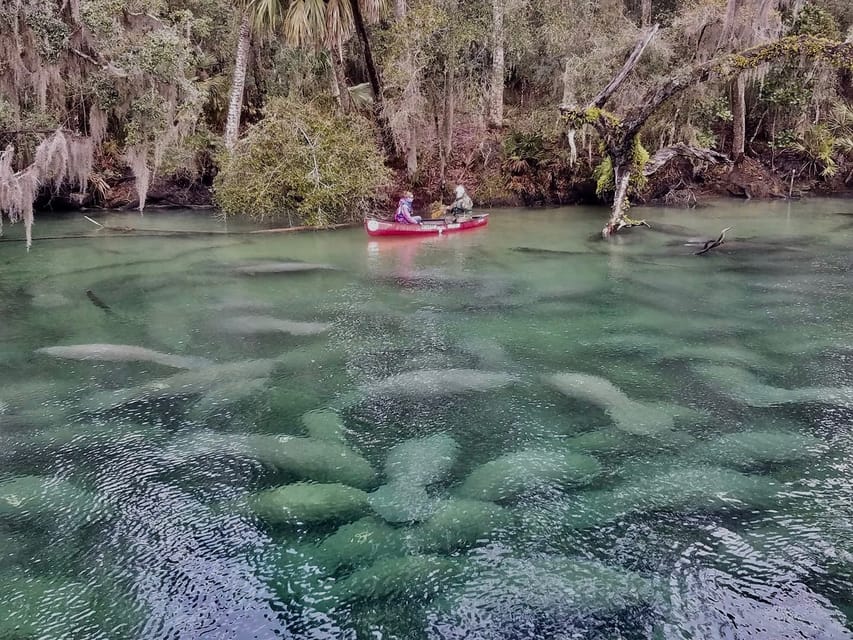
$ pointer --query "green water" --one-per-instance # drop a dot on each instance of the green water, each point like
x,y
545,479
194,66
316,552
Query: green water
x,y
519,432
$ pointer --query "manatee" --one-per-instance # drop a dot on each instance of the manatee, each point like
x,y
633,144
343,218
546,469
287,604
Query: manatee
x,y
303,458
510,591
514,474
124,353
749,449
259,268
742,386
427,383
250,325
37,607
182,384
304,503
421,461
639,418
409,577
694,488
75,436
402,502
358,543
225,395
325,425
28,497
459,524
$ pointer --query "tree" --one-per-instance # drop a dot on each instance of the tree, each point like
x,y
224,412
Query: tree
x,y
496,93
620,136
375,81
238,83
746,23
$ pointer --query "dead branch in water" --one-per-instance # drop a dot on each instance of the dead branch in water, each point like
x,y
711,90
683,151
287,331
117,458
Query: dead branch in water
x,y
713,244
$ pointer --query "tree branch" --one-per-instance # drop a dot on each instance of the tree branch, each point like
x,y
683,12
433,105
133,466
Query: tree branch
x,y
604,95
666,154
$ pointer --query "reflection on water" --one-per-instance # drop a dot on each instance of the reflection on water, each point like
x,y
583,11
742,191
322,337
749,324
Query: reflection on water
x,y
519,432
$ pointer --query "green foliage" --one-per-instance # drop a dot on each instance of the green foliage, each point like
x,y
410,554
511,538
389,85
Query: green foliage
x,y
714,110
523,151
785,139
603,175
102,16
818,144
51,32
639,157
146,120
192,159
305,162
813,20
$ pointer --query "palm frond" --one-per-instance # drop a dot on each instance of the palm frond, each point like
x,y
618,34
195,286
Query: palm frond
x,y
305,23
373,10
362,94
339,22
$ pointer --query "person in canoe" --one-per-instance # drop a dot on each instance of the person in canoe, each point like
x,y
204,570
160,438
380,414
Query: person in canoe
x,y
403,214
462,206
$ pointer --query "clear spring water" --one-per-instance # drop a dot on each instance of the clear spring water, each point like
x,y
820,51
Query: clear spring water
x,y
588,439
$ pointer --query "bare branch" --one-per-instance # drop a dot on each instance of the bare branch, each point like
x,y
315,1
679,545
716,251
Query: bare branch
x,y
604,95
666,154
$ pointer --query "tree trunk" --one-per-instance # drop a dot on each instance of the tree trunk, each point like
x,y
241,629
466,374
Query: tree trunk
x,y
646,13
621,178
412,152
738,106
399,9
449,111
496,95
235,104
375,81
340,86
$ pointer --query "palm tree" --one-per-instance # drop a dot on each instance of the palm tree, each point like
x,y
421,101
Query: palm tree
x,y
235,101
308,23
258,17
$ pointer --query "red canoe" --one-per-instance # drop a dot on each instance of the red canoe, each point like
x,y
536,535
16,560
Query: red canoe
x,y
376,227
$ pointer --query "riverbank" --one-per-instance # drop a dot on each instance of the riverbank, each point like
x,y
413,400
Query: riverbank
x,y
516,183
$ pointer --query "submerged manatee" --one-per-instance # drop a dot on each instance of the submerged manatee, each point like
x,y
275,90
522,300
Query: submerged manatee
x,y
427,383
409,577
251,325
639,418
59,501
459,524
124,353
324,424
302,458
422,461
259,268
750,449
514,474
40,607
399,502
358,543
188,383
538,597
743,386
304,503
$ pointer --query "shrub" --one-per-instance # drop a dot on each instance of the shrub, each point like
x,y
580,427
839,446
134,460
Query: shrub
x,y
302,160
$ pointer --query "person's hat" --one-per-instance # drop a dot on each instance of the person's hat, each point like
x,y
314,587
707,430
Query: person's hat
x,y
408,194
460,190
